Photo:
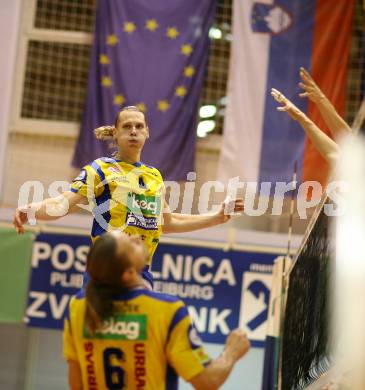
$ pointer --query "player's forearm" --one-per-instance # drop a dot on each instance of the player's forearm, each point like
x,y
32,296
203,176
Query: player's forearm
x,y
182,223
215,374
323,143
50,209
333,120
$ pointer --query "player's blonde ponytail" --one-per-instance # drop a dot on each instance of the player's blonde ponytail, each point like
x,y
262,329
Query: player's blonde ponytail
x,y
105,268
99,305
104,132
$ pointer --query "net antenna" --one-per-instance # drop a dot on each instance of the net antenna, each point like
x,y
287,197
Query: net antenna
x,y
285,266
291,215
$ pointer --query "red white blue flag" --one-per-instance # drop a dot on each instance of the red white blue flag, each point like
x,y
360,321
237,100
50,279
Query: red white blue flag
x,y
271,41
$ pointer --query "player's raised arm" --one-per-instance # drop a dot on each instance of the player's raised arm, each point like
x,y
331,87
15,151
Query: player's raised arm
x,y
332,118
186,354
324,144
180,223
47,210
216,373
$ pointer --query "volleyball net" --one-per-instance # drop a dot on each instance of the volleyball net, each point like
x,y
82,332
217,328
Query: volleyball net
x,y
314,310
305,336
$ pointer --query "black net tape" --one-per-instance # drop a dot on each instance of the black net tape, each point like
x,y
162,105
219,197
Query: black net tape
x,y
306,336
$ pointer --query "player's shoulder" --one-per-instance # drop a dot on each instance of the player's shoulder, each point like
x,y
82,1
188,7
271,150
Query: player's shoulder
x,y
76,302
78,298
153,170
149,294
105,161
99,165
158,296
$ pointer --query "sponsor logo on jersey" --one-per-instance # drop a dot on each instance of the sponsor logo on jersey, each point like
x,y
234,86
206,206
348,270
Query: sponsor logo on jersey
x,y
116,175
114,170
122,327
141,222
144,204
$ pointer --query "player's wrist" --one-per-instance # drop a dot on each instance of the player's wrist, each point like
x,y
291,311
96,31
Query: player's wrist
x,y
304,120
229,356
321,99
217,218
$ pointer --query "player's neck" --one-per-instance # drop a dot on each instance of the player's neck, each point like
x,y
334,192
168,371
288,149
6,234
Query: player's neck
x,y
136,283
130,157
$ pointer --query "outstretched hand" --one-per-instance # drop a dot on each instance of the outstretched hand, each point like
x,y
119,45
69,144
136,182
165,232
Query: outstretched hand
x,y
310,88
229,208
287,106
20,219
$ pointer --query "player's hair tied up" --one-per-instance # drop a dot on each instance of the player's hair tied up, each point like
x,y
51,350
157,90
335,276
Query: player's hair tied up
x,y
104,132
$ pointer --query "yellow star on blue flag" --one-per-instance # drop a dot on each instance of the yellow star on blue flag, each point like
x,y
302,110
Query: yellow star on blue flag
x,y
186,49
111,40
152,25
129,27
172,32
104,59
106,81
189,71
180,91
163,105
118,100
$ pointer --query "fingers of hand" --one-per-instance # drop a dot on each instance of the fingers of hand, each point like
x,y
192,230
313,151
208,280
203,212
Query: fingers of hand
x,y
234,206
278,96
239,206
306,87
305,74
17,220
275,97
19,229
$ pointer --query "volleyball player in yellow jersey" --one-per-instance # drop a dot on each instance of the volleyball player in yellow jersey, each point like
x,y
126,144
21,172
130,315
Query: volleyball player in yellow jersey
x,y
120,335
126,194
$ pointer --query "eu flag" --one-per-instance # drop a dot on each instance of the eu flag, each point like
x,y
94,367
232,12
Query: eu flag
x,y
152,54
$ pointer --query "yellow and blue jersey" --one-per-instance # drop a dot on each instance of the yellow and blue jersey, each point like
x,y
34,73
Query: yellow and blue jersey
x,y
146,344
124,196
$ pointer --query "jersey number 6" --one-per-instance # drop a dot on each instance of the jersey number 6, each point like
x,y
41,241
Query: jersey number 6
x,y
114,375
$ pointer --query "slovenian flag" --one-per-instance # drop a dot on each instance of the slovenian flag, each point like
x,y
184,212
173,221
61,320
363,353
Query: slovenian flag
x,y
271,41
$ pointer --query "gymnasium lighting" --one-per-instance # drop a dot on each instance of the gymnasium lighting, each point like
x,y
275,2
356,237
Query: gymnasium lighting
x,y
207,111
205,127
215,33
